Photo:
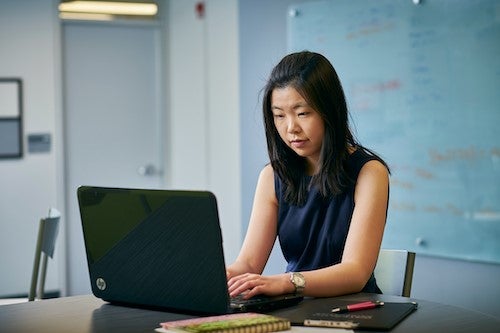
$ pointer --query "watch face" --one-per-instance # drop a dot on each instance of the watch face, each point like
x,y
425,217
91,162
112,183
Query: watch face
x,y
298,280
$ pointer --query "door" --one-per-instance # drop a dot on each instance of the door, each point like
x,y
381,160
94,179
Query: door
x,y
112,118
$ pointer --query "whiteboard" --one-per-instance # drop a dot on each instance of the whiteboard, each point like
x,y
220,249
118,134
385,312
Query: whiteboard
x,y
423,88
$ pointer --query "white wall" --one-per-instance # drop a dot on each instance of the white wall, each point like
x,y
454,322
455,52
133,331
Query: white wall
x,y
30,185
204,112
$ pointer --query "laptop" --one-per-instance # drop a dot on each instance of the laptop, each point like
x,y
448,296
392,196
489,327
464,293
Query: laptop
x,y
160,249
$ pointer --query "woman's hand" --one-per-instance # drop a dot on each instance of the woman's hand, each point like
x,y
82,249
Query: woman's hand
x,y
254,284
230,273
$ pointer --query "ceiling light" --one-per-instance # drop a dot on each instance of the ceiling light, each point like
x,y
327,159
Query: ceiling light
x,y
109,7
86,16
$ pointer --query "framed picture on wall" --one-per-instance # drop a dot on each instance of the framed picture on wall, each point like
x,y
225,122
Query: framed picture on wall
x,y
11,126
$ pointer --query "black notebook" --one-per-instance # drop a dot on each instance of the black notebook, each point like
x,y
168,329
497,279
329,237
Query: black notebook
x,y
317,313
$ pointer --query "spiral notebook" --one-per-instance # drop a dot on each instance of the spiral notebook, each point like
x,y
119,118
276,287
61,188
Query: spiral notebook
x,y
231,323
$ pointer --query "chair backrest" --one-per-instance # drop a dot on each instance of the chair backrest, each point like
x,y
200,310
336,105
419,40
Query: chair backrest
x,y
394,271
47,234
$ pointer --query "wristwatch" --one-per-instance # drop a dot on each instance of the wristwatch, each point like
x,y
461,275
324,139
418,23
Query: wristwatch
x,y
298,281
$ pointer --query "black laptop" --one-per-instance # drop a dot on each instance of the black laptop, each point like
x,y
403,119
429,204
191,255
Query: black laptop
x,y
160,249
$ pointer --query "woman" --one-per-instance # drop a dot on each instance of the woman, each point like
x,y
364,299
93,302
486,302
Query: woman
x,y
323,195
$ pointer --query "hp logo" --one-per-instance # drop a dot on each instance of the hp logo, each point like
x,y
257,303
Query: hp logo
x,y
100,283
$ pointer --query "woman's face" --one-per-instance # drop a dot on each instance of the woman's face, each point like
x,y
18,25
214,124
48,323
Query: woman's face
x,y
299,125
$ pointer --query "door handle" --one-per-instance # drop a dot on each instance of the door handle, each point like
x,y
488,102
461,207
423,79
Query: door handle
x,y
148,170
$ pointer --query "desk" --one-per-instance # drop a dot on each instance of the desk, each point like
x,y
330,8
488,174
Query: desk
x,y
88,314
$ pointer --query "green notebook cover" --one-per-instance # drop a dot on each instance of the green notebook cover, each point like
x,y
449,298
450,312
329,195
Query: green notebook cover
x,y
234,323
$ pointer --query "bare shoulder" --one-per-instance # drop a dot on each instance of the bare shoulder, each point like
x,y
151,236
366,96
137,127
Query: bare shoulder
x,y
373,180
265,185
267,172
374,168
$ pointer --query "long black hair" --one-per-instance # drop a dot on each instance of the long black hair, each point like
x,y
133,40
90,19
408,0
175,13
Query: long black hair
x,y
315,79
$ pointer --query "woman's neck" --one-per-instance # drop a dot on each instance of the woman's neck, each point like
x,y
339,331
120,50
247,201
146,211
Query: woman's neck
x,y
312,166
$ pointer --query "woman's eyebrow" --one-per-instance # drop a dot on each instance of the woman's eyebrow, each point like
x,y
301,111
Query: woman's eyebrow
x,y
300,105
293,106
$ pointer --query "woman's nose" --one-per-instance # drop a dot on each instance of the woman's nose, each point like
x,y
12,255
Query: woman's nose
x,y
293,126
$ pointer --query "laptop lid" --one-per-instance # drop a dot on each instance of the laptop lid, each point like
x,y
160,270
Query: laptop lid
x,y
154,248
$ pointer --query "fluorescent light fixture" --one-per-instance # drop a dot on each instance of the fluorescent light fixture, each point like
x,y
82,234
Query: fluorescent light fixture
x,y
110,7
85,16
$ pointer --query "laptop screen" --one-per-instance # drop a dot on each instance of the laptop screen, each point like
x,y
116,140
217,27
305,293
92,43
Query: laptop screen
x,y
154,247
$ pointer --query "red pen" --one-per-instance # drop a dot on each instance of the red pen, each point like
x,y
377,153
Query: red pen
x,y
358,306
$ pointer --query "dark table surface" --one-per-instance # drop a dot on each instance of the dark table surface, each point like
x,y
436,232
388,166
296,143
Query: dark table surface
x,y
87,313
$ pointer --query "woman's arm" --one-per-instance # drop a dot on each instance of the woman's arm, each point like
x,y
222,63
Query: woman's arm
x,y
360,252
262,228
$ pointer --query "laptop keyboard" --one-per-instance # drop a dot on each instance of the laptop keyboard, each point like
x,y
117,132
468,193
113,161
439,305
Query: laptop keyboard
x,y
254,300
261,303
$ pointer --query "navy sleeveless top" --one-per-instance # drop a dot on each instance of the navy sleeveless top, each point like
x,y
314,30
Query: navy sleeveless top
x,y
313,236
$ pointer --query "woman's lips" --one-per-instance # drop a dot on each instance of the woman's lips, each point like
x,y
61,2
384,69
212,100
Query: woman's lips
x,y
298,143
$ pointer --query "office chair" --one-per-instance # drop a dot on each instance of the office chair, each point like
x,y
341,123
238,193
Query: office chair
x,y
47,234
394,271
